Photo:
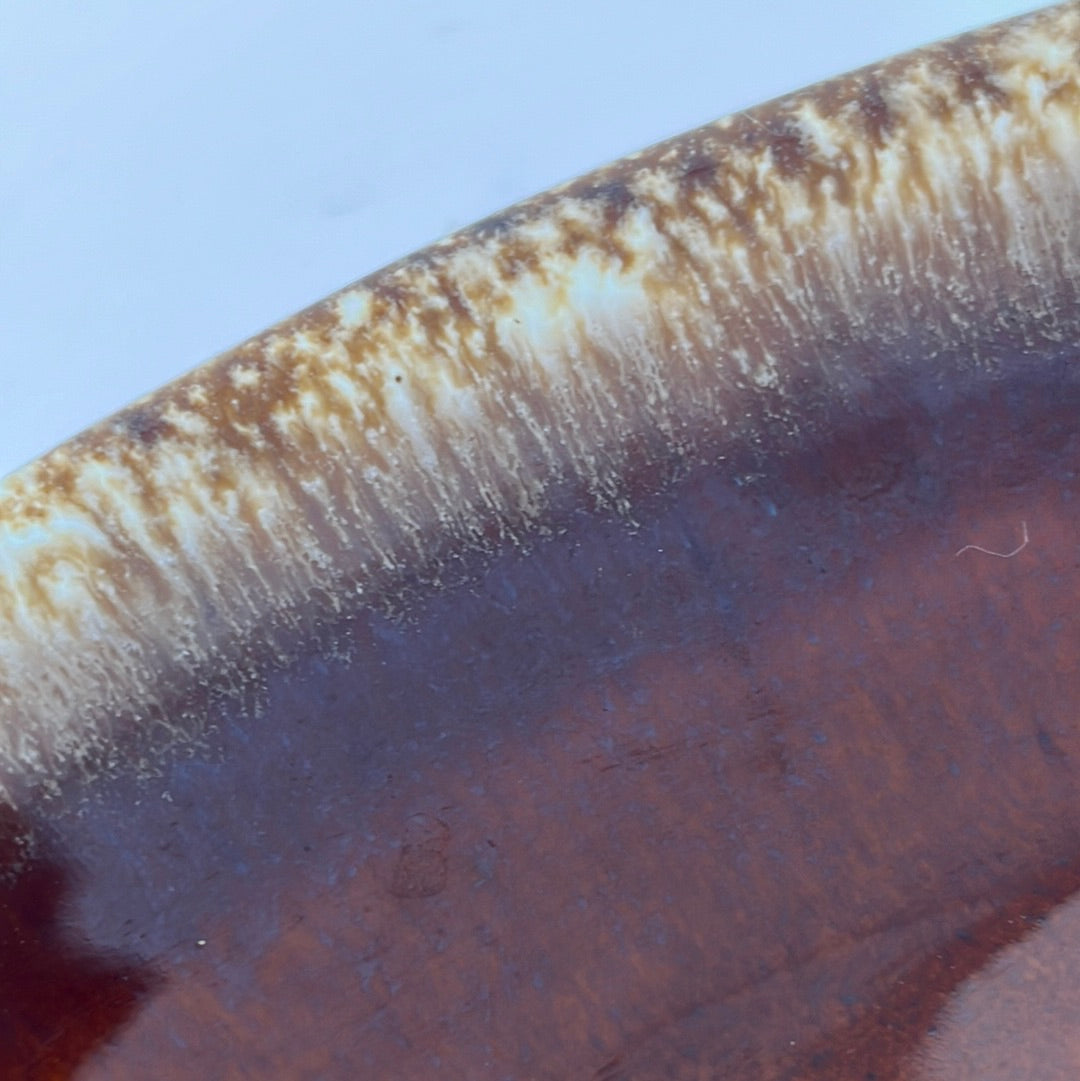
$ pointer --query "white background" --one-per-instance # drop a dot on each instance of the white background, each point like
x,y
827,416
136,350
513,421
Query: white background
x,y
177,174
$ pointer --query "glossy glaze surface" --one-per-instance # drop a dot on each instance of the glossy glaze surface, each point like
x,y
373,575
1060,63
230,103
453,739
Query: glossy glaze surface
x,y
673,731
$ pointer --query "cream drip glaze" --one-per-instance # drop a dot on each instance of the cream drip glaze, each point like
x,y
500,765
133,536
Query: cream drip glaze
x,y
911,214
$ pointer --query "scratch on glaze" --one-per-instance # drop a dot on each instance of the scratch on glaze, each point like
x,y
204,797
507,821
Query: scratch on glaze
x,y
758,266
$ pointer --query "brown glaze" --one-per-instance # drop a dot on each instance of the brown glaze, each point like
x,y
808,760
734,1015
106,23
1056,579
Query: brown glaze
x,y
693,742
748,791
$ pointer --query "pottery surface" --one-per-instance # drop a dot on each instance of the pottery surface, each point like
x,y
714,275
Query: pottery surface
x,y
632,638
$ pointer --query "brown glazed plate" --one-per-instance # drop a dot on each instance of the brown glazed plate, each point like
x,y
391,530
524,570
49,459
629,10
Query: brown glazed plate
x,y
633,638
